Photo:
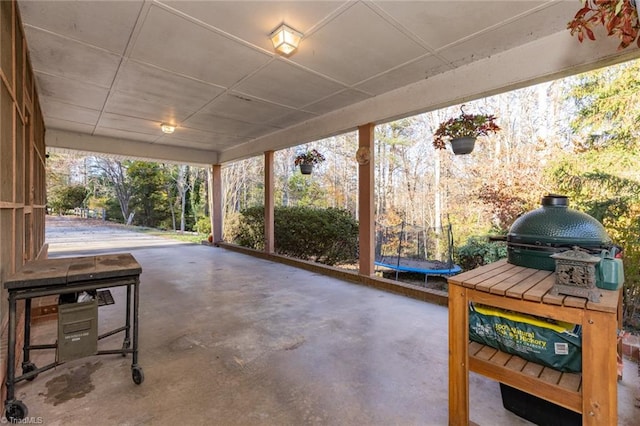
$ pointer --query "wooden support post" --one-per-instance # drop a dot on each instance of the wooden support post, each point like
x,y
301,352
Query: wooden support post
x,y
215,202
269,235
366,209
458,356
599,389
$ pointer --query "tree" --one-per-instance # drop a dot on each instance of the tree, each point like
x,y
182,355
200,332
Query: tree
x,y
66,198
111,177
148,197
602,175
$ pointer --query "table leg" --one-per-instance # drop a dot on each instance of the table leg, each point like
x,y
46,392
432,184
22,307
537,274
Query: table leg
x,y
127,322
599,378
136,304
11,350
458,356
27,332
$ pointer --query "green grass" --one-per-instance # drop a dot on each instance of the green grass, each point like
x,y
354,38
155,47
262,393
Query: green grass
x,y
175,235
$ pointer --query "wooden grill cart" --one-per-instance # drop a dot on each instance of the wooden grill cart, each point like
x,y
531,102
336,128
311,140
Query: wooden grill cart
x,y
592,393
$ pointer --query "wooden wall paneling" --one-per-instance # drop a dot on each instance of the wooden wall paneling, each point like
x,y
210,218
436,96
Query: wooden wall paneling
x,y
40,157
6,145
28,79
6,264
28,253
22,163
6,40
18,235
19,70
19,159
29,190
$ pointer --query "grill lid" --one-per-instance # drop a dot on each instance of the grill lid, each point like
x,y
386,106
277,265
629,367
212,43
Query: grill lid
x,y
555,224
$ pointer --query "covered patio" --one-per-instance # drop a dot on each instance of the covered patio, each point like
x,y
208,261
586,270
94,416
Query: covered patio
x,y
230,339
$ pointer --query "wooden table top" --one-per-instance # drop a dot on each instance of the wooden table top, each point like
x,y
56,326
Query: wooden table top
x,y
68,270
517,282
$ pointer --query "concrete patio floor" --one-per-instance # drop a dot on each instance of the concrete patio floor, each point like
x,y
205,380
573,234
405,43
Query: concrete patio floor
x,y
228,339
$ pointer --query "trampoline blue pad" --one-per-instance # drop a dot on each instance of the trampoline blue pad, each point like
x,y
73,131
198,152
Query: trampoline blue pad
x,y
448,271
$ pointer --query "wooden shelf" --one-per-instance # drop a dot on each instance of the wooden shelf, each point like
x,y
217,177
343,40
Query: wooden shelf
x,y
526,290
563,389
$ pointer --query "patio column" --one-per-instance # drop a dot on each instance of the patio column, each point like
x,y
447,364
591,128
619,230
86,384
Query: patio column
x,y
215,202
269,235
366,210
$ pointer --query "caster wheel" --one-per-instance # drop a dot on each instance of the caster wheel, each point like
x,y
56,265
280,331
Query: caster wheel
x,y
28,367
15,411
137,375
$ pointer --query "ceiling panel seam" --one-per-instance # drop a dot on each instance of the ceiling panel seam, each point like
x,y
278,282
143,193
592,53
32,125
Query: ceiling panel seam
x,y
497,25
423,43
329,17
142,16
211,28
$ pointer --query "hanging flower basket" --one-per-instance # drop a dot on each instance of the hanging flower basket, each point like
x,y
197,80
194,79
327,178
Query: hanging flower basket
x,y
306,169
464,130
461,146
307,159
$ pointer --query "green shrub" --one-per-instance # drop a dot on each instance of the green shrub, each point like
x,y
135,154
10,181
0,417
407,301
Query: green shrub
x,y
67,198
328,236
478,251
203,225
249,228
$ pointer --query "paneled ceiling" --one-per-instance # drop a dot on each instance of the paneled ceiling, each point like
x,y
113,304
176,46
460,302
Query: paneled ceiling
x,y
110,72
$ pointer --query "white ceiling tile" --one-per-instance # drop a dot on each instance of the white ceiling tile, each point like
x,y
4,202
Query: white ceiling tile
x,y
141,107
287,84
126,134
71,91
164,87
125,123
185,143
177,44
72,126
70,59
402,76
241,107
186,133
512,34
337,101
253,21
439,23
106,24
73,113
356,45
197,138
291,119
225,126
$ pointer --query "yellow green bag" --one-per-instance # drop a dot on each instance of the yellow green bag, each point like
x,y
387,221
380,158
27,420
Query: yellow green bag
x,y
543,341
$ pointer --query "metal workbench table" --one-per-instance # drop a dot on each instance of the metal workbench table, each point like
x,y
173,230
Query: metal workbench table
x,y
63,276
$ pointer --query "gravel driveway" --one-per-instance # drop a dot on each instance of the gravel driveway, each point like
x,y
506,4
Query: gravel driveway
x,y
69,235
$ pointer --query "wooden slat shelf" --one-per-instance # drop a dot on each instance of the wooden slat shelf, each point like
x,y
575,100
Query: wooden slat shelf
x,y
553,385
526,290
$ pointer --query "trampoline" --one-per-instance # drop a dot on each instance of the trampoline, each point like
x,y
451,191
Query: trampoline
x,y
426,267
409,248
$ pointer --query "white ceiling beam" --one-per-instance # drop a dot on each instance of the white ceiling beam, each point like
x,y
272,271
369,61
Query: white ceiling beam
x,y
556,56
128,148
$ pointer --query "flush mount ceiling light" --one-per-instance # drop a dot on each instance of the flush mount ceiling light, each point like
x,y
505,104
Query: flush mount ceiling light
x,y
167,128
285,39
